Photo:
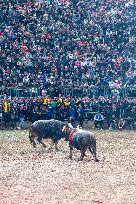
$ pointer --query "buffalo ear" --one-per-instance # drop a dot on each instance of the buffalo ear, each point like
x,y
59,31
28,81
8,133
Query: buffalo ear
x,y
70,126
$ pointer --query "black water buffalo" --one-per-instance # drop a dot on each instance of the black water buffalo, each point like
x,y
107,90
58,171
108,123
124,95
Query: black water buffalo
x,y
43,129
81,140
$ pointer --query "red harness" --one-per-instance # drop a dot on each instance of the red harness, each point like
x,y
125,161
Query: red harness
x,y
71,135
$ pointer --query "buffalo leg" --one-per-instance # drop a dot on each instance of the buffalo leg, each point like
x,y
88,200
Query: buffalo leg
x,y
71,151
56,145
31,139
93,152
82,151
52,144
90,149
33,142
40,141
95,158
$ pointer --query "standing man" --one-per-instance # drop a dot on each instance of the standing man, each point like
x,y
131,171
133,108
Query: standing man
x,y
81,115
72,115
6,111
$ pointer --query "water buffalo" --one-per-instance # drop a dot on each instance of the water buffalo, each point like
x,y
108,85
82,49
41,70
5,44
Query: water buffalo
x,y
81,140
43,129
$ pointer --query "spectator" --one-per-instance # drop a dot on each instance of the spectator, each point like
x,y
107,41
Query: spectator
x,y
121,124
113,122
13,119
6,111
81,115
1,111
98,120
129,125
72,115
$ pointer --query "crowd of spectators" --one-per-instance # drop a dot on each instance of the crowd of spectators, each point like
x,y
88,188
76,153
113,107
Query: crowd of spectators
x,y
15,111
57,43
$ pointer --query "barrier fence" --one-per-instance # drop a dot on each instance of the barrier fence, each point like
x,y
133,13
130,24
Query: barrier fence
x,y
80,92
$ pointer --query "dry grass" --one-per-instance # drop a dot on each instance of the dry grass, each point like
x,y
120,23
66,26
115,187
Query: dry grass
x,y
42,176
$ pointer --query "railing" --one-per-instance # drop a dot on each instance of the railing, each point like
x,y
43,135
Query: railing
x,y
77,91
18,92
104,91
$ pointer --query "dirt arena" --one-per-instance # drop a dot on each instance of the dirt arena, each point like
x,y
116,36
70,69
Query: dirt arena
x,y
42,176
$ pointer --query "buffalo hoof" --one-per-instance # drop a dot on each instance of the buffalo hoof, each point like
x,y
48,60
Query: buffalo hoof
x,y
50,148
80,159
96,160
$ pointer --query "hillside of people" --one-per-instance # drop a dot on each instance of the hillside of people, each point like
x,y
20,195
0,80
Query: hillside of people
x,y
66,49
75,43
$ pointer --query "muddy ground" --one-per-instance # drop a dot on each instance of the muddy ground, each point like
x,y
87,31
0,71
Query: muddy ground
x,y
44,176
